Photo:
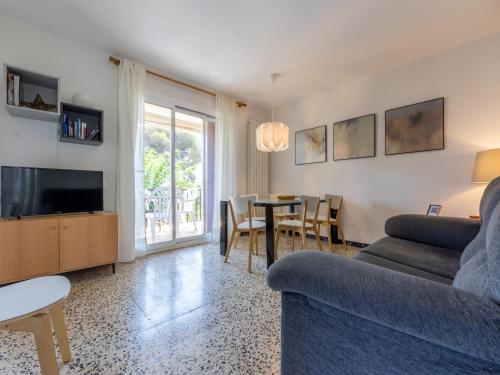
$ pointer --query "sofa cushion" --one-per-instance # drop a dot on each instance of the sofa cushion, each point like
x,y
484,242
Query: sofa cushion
x,y
489,201
481,273
493,253
448,232
437,260
391,265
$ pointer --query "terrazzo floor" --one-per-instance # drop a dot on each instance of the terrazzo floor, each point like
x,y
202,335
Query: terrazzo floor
x,y
177,312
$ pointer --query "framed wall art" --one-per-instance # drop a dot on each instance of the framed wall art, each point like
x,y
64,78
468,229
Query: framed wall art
x,y
310,146
354,138
415,128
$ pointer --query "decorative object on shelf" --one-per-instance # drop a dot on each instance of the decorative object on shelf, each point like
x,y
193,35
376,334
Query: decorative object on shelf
x,y
31,94
310,146
272,136
283,197
415,128
39,104
354,138
84,100
81,125
434,210
486,166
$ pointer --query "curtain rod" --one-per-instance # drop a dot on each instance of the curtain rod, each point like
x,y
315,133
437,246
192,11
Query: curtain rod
x,y
116,61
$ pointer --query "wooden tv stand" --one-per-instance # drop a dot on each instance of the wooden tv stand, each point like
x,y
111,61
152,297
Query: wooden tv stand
x,y
37,246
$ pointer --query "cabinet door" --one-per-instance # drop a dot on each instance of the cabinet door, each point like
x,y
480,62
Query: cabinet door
x,y
10,259
75,243
28,248
40,246
103,239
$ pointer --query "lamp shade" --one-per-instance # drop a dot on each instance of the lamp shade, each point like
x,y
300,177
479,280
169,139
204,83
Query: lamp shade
x,y
486,166
272,137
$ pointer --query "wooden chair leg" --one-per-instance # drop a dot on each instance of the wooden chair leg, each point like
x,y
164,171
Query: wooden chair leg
x,y
316,235
57,315
329,233
231,241
250,251
341,233
41,328
276,243
256,243
293,238
303,235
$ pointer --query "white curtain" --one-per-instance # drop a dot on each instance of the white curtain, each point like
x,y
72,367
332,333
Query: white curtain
x,y
130,164
258,165
225,156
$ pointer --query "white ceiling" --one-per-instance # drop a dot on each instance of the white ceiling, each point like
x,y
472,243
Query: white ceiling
x,y
233,45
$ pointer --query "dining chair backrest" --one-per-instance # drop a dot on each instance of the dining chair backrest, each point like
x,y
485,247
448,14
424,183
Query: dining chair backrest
x,y
310,208
241,206
334,202
249,195
160,198
275,197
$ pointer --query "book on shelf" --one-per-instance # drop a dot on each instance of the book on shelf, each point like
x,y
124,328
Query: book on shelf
x,y
93,134
10,88
16,90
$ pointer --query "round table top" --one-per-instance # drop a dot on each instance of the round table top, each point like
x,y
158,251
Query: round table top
x,y
28,296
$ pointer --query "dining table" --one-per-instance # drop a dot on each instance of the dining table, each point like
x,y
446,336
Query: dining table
x,y
268,205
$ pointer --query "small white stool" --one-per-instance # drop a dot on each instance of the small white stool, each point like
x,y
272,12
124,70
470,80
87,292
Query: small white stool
x,y
29,306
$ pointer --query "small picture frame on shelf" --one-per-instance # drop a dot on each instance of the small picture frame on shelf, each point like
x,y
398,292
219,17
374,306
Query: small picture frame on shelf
x,y
434,210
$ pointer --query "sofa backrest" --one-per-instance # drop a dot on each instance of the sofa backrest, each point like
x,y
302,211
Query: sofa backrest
x,y
490,199
480,262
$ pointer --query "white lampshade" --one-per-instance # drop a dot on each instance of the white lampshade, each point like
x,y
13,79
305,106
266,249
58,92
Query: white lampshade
x,y
272,136
486,166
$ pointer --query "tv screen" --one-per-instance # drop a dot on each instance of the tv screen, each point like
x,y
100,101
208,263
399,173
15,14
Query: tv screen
x,y
42,191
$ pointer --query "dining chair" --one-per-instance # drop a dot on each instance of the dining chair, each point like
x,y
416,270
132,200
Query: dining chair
x,y
334,202
186,204
310,208
239,207
281,213
255,217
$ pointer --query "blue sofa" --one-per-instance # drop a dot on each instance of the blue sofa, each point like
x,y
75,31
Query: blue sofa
x,y
424,300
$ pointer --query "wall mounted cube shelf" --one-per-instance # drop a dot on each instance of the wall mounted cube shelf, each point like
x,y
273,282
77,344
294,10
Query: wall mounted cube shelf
x,y
76,116
34,95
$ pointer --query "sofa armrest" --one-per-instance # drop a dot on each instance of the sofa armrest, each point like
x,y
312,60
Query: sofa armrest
x,y
431,311
449,232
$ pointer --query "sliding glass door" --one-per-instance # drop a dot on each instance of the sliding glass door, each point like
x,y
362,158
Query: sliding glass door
x,y
178,175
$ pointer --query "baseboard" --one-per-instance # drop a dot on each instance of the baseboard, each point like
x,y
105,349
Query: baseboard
x,y
339,242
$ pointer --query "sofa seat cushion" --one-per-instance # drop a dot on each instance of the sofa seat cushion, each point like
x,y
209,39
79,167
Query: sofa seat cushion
x,y
394,266
436,260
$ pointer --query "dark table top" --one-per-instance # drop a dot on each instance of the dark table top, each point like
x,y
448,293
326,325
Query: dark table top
x,y
276,203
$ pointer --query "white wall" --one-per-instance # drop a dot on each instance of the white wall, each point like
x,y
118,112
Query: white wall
x,y
377,188
25,142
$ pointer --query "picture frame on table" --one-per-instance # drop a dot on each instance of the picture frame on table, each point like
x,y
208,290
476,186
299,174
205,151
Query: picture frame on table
x,y
434,210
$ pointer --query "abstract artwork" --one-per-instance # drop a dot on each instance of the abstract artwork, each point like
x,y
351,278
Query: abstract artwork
x,y
310,146
414,128
354,138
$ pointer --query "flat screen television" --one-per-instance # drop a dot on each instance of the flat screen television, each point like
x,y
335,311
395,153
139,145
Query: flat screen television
x,y
42,191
